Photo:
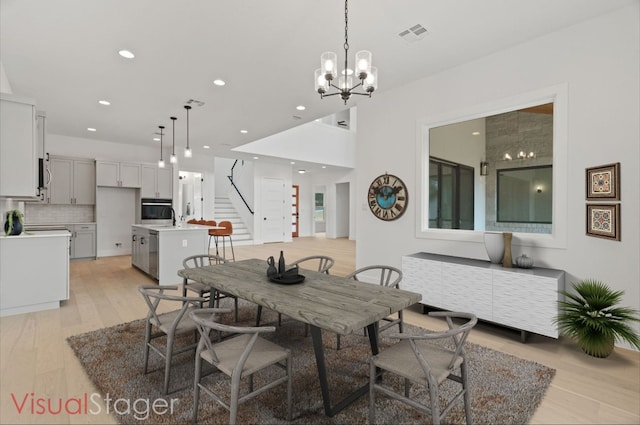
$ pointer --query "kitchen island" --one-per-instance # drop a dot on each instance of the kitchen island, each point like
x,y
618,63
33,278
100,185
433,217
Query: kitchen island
x,y
158,250
35,271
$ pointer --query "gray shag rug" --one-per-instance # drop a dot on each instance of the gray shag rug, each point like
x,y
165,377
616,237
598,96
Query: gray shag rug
x,y
504,389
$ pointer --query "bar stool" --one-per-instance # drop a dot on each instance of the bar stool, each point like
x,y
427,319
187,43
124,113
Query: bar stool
x,y
211,234
224,233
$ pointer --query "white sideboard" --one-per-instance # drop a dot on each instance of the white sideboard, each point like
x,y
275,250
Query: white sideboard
x,y
524,299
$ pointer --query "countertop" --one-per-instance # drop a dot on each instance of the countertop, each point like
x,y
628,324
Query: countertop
x,y
39,234
60,224
178,227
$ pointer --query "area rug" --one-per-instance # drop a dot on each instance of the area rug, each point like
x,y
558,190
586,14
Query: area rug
x,y
504,389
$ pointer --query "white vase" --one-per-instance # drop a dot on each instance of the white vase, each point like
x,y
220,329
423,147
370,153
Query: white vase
x,y
494,244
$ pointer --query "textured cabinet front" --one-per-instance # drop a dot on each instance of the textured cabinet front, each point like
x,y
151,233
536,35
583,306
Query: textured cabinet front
x,y
467,288
525,302
518,298
423,277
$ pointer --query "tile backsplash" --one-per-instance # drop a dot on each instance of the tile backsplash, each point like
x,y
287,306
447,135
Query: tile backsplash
x,y
45,214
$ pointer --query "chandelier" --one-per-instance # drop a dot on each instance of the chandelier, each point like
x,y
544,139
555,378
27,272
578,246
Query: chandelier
x,y
367,74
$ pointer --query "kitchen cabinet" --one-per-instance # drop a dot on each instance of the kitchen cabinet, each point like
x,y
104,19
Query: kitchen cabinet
x,y
117,174
73,181
18,147
156,182
83,241
35,272
140,248
524,299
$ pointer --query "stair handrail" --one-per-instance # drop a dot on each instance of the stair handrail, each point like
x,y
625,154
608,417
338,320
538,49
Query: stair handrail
x,y
236,187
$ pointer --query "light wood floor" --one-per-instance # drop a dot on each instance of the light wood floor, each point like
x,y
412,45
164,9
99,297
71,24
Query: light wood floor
x,y
35,358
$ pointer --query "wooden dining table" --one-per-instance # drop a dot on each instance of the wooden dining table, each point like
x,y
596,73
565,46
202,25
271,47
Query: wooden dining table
x,y
323,301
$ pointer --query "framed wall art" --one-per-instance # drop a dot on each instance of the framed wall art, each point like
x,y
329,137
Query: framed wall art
x,y
603,221
603,182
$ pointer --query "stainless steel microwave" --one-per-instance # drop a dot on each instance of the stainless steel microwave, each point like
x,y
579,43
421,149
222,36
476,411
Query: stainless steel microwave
x,y
156,210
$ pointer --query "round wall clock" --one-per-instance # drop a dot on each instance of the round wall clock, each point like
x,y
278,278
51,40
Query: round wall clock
x,y
387,197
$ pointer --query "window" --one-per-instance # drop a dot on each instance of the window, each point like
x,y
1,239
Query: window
x,y
525,195
450,195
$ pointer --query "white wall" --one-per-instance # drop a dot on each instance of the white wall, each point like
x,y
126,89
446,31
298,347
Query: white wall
x,y
313,142
599,62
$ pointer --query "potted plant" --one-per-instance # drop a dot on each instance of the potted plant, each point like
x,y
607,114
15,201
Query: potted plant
x,y
589,315
14,222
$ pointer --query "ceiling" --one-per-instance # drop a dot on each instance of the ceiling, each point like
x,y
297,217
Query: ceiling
x,y
63,54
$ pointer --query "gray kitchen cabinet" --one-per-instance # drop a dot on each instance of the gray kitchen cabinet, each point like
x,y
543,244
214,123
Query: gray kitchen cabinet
x,y
117,174
140,248
18,147
156,182
72,181
83,241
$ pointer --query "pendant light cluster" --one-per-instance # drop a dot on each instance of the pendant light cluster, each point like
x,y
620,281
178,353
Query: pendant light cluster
x,y
367,74
187,150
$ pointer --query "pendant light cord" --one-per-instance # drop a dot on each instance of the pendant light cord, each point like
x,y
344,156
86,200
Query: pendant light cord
x,y
187,107
346,39
173,149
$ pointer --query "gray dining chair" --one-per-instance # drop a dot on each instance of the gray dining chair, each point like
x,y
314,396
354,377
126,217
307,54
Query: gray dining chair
x,y
324,263
169,324
239,356
204,291
417,360
385,276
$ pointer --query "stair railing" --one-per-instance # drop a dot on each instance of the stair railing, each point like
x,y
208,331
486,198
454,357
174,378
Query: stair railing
x,y
236,187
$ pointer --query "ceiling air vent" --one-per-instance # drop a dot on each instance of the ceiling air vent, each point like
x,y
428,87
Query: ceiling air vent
x,y
194,102
413,34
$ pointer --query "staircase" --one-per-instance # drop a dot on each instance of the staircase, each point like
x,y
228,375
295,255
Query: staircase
x,y
225,211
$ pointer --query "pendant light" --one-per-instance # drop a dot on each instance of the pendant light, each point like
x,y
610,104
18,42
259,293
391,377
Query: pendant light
x,y
161,162
173,158
187,150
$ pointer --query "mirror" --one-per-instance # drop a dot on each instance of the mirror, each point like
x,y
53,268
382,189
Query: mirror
x,y
466,158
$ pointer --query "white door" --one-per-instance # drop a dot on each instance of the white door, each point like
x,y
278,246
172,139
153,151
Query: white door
x,y
274,219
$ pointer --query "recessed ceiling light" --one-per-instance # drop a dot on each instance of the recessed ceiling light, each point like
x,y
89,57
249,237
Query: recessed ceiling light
x,y
302,171
219,82
255,157
324,166
243,131
91,129
292,162
206,147
126,54
301,107
475,133
156,139
104,102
